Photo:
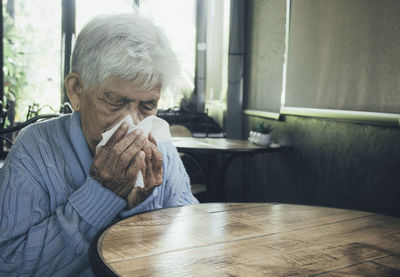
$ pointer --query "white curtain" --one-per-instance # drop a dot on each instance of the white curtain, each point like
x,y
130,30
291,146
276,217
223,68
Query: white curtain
x,y
217,57
215,47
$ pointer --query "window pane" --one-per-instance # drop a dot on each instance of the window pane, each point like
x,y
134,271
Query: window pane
x,y
87,9
177,18
32,43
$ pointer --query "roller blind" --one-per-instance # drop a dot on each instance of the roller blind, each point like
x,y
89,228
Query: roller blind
x,y
344,55
267,46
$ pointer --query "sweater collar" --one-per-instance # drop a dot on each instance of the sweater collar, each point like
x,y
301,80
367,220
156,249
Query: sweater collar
x,y
79,142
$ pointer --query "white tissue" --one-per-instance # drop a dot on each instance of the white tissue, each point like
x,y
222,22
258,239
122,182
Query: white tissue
x,y
158,127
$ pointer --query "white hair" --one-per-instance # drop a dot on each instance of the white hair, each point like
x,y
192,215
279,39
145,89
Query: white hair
x,y
126,46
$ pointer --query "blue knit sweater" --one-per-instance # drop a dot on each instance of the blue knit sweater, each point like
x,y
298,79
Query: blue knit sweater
x,y
51,208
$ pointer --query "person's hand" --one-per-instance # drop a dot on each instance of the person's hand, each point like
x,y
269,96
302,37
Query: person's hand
x,y
117,164
153,159
152,174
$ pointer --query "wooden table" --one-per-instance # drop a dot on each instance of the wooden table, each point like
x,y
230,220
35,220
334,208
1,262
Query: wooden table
x,y
249,240
214,155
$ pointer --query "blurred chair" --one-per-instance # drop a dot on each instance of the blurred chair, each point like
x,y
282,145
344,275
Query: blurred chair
x,y
200,124
179,131
192,166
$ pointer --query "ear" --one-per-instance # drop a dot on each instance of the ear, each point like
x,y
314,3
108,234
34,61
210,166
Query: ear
x,y
74,87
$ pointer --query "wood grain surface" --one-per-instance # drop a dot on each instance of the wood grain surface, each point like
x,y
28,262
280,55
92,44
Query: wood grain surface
x,y
236,239
221,144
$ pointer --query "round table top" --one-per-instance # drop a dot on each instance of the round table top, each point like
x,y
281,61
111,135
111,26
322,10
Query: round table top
x,y
213,145
237,239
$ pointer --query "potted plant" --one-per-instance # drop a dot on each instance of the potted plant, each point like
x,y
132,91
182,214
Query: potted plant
x,y
260,134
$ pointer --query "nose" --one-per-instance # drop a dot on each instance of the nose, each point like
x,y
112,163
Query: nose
x,y
135,114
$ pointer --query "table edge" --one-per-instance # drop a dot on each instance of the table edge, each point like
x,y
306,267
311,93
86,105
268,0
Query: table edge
x,y
96,263
233,150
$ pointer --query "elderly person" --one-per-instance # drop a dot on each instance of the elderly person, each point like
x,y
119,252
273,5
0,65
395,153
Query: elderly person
x,y
56,192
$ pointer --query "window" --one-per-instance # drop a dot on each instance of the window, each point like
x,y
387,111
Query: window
x,y
31,47
33,69
38,35
339,60
181,31
87,9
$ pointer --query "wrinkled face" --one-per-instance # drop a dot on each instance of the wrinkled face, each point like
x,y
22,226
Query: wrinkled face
x,y
101,108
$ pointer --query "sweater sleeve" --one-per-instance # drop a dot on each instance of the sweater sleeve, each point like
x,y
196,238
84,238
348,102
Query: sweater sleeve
x,y
39,236
177,191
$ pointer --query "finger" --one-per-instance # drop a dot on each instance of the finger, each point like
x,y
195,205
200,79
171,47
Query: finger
x,y
131,174
127,157
133,169
153,177
141,139
125,142
156,166
156,158
136,137
149,176
152,139
143,170
118,135
103,163
159,177
106,156
147,151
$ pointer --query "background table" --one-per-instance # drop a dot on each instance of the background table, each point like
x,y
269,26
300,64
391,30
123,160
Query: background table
x,y
214,155
250,240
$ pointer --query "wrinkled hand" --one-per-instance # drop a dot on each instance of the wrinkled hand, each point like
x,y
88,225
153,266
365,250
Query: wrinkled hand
x,y
117,164
152,173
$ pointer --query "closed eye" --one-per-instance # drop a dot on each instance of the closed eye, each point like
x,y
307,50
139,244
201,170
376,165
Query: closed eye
x,y
114,100
148,106
117,104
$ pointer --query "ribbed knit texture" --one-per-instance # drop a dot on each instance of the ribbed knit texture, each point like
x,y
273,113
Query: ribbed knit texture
x,y
51,208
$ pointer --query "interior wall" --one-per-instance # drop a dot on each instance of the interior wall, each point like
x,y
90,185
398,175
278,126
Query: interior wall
x,y
324,162
327,163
